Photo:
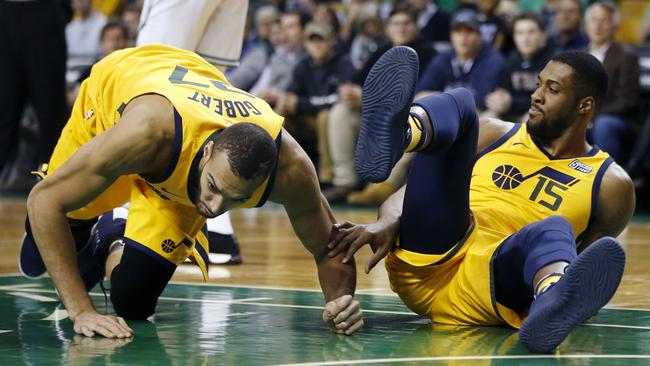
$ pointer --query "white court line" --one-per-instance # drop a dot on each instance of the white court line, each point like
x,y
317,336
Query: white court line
x,y
466,358
616,326
33,296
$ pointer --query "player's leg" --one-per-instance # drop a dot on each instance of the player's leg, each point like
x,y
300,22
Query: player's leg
x,y
159,235
223,36
443,127
223,244
178,23
567,288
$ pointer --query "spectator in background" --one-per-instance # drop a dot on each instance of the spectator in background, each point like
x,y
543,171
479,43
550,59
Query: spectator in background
x,y
492,26
355,10
567,33
33,64
368,40
312,92
433,23
614,123
471,63
131,18
258,57
325,14
518,79
265,17
114,36
277,75
345,116
82,36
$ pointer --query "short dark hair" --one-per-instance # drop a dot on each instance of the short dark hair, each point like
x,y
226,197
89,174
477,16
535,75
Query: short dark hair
x,y
407,9
250,149
533,17
304,18
116,23
589,75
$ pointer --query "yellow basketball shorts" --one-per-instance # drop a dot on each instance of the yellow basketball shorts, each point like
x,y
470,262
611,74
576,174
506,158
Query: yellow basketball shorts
x,y
159,227
454,288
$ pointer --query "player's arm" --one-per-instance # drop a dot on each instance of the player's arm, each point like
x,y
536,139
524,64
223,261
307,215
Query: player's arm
x,y
490,131
616,201
296,187
134,145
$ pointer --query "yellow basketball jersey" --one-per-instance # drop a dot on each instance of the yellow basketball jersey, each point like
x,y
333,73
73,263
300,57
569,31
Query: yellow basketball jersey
x,y
515,182
204,104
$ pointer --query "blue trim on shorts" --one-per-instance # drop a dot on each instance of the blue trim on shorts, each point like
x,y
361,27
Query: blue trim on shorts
x,y
202,253
500,141
142,248
178,144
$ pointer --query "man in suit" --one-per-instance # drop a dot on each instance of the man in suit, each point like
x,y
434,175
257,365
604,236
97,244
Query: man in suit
x,y
614,124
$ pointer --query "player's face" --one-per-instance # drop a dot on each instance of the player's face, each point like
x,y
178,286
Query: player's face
x,y
220,189
554,105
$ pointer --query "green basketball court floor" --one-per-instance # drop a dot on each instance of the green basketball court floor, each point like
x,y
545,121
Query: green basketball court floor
x,y
210,324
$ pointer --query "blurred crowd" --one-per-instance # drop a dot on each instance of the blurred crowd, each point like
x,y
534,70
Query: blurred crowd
x,y
308,59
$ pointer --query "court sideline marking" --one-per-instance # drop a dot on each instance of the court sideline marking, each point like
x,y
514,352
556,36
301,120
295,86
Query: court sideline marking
x,y
466,358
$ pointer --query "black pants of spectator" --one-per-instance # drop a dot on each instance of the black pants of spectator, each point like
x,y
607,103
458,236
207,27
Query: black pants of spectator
x,y
32,68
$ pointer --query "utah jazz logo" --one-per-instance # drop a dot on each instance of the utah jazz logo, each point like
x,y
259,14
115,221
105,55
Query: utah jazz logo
x,y
553,182
169,246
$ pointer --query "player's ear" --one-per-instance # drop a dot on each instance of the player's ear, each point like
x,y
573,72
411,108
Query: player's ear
x,y
207,149
587,104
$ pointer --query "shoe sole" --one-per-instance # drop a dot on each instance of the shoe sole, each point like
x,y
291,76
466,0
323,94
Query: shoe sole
x,y
591,281
387,96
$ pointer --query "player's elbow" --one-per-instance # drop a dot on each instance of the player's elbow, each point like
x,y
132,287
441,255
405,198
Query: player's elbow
x,y
39,200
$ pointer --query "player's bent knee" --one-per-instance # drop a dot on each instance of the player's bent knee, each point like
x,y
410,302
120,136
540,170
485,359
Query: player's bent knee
x,y
130,304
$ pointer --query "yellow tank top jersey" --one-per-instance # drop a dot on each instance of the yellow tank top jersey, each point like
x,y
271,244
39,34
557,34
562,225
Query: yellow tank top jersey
x,y
204,102
515,182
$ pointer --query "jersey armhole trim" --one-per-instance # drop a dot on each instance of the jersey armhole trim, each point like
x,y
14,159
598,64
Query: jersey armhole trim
x,y
178,142
500,141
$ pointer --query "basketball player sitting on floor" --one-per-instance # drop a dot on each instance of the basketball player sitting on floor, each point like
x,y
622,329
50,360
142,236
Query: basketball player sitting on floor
x,y
487,229
163,129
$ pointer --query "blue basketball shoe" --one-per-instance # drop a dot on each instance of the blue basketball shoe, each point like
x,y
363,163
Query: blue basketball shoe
x,y
587,285
30,261
91,259
387,96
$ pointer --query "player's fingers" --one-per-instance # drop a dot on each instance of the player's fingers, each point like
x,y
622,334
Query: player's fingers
x,y
86,331
123,323
352,308
336,236
375,258
116,328
354,247
105,331
344,242
334,307
351,320
356,326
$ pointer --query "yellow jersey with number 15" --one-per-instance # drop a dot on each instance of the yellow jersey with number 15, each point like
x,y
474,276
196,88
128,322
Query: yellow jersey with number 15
x,y
204,102
515,182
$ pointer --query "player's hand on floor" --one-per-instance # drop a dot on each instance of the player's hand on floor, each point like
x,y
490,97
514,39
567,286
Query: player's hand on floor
x,y
90,323
343,315
351,237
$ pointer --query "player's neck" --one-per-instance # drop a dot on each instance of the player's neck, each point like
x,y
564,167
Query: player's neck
x,y
571,144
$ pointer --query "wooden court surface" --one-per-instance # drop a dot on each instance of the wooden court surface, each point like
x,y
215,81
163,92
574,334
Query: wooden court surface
x,y
275,272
